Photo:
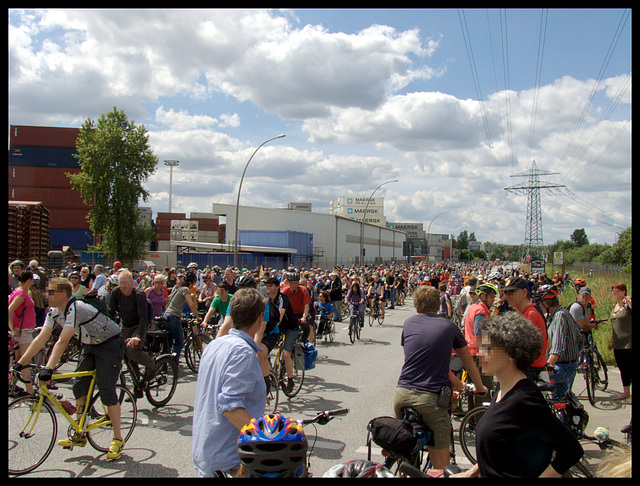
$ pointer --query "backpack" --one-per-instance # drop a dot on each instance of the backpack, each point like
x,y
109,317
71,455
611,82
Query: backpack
x,y
92,299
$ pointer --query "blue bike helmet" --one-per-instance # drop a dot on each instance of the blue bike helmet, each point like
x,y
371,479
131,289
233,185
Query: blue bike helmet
x,y
273,446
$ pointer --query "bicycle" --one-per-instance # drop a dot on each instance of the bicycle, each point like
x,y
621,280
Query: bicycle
x,y
194,342
329,329
33,425
376,313
278,373
160,387
418,456
592,365
355,323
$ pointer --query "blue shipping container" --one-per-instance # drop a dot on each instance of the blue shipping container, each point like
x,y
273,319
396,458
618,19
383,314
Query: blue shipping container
x,y
78,240
301,241
43,156
224,260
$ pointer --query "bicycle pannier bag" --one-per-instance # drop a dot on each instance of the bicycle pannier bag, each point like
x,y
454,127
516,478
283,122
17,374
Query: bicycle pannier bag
x,y
392,434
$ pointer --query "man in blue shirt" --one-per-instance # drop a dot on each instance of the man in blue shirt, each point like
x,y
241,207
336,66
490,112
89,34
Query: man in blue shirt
x,y
230,389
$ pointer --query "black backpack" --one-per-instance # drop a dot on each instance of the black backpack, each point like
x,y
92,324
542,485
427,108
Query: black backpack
x,y
392,434
92,299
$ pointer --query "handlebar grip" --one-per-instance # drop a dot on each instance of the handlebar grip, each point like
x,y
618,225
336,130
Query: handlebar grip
x,y
340,411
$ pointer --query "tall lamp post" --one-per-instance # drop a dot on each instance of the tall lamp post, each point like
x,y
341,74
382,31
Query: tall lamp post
x,y
429,230
364,216
171,164
235,251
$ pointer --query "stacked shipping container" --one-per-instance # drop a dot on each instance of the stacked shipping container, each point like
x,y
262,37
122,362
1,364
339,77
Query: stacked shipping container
x,y
39,160
203,227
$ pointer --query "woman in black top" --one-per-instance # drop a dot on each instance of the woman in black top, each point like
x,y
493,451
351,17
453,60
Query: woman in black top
x,y
519,434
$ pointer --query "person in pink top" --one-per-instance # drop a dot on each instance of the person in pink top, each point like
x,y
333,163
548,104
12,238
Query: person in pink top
x,y
22,320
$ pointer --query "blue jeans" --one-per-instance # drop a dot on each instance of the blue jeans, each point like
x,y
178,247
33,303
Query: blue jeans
x,y
176,335
337,310
563,378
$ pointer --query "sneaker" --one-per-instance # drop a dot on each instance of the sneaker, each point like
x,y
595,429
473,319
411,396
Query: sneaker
x,y
73,441
115,449
290,385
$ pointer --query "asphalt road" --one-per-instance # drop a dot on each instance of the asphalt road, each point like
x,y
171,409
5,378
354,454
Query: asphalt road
x,y
360,377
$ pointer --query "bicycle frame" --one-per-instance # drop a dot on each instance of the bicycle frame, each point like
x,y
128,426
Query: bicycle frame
x,y
79,426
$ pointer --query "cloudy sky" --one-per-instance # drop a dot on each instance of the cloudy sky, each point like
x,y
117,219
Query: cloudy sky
x,y
452,103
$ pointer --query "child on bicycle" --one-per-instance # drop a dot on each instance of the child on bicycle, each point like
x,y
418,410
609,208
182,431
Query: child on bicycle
x,y
326,310
356,298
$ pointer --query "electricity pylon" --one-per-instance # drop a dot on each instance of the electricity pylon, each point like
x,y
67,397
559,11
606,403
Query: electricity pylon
x,y
533,244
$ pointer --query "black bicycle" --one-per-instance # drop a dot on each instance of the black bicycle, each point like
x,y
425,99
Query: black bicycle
x,y
376,312
160,386
356,321
592,365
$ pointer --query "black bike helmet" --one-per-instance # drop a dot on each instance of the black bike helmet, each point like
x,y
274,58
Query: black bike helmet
x,y
293,276
358,468
246,281
189,278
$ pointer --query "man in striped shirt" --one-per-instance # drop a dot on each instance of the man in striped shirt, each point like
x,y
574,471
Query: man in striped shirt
x,y
563,341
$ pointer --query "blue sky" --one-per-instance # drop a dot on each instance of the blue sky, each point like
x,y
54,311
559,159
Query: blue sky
x,y
364,96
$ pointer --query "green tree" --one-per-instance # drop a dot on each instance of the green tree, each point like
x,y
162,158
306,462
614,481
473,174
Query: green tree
x,y
115,159
579,237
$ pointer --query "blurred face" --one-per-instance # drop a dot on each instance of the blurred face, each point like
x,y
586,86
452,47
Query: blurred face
x,y
294,284
74,279
56,298
515,297
158,283
125,282
488,299
493,359
272,289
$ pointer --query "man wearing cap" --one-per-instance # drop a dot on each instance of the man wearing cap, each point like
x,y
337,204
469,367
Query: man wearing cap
x,y
581,311
517,295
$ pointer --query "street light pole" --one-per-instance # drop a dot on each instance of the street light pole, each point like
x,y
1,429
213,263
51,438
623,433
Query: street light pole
x,y
235,251
429,230
171,164
364,216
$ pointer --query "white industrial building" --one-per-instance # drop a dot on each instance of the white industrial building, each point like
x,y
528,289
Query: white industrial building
x,y
336,239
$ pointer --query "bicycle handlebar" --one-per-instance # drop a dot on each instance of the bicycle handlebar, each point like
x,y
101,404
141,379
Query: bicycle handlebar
x,y
324,417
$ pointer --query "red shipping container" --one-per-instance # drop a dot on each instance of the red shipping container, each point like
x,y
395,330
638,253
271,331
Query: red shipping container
x,y
43,136
68,219
39,177
50,197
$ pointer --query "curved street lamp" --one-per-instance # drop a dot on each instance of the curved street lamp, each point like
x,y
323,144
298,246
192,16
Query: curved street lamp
x,y
365,215
429,230
235,251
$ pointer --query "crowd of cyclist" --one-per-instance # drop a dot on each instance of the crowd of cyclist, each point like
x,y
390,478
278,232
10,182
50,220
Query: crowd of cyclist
x,y
291,299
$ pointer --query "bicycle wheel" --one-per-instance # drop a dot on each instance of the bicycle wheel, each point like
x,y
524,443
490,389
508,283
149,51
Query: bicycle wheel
x,y
380,317
601,373
352,329
372,316
274,392
163,385
100,438
30,443
590,381
298,377
468,432
193,350
358,329
332,330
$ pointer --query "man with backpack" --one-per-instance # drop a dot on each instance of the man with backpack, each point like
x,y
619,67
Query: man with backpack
x,y
131,305
103,350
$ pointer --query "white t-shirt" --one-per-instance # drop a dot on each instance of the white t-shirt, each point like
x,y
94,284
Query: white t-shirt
x,y
92,327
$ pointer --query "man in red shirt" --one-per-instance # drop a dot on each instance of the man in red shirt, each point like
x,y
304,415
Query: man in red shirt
x,y
477,312
517,295
300,301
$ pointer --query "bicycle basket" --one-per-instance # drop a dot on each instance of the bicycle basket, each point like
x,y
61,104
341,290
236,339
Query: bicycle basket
x,y
392,435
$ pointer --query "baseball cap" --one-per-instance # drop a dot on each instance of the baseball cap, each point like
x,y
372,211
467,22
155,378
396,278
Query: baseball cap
x,y
516,283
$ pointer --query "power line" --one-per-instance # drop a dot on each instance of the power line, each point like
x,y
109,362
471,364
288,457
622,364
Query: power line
x,y
605,64
476,83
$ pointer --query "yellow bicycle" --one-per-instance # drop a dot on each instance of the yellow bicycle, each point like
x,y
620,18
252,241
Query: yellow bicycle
x,y
33,426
